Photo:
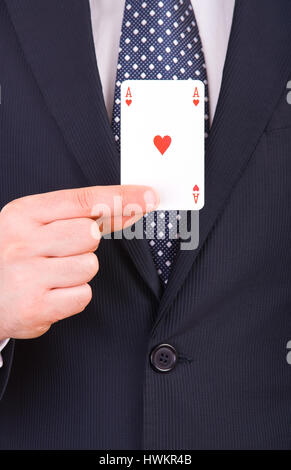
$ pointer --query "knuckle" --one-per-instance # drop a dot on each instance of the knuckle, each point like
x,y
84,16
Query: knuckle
x,y
95,232
86,264
83,299
13,251
88,296
94,263
84,198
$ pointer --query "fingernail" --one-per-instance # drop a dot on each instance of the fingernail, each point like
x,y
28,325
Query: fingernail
x,y
151,199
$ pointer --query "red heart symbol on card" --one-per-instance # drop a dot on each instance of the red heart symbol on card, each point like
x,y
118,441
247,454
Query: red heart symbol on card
x,y
128,102
162,143
196,102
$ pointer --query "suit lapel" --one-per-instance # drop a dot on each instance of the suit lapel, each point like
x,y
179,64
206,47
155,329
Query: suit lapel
x,y
57,41
256,71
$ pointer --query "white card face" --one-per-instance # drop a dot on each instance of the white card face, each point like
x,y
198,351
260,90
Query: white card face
x,y
162,139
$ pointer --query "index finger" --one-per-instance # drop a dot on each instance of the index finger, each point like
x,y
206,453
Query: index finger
x,y
94,202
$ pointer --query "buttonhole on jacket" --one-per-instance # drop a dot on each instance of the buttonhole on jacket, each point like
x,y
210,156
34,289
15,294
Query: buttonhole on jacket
x,y
185,359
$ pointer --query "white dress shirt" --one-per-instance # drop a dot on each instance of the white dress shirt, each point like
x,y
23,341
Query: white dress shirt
x,y
214,18
2,346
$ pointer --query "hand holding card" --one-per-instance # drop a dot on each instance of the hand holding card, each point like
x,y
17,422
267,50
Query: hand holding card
x,y
162,139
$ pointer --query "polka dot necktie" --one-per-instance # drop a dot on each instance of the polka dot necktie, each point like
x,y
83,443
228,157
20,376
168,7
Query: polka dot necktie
x,y
159,41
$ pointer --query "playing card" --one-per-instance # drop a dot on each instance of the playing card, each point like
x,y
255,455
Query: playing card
x,y
162,139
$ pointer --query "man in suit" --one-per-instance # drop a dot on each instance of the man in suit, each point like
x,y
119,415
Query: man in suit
x,y
192,357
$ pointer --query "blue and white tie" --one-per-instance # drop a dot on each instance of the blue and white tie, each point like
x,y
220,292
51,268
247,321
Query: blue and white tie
x,y
159,41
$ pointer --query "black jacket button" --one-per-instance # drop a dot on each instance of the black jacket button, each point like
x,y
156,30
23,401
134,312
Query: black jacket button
x,y
163,358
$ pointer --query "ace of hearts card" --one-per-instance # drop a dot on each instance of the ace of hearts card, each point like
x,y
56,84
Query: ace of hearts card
x,y
162,139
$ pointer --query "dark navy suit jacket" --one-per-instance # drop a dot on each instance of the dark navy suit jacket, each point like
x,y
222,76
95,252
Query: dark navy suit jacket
x,y
88,383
